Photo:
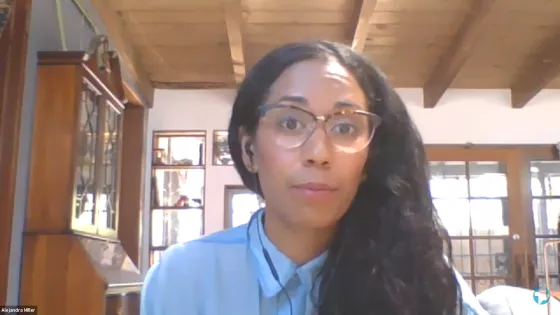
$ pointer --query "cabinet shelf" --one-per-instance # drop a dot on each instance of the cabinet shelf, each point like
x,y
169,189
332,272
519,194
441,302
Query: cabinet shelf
x,y
177,167
185,208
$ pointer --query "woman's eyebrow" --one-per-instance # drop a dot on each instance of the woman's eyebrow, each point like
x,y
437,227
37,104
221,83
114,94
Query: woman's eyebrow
x,y
294,99
346,104
300,100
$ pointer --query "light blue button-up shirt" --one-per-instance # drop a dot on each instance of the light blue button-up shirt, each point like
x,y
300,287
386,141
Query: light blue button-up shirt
x,y
226,273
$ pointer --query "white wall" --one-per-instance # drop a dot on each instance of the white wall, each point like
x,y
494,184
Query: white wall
x,y
476,116
193,110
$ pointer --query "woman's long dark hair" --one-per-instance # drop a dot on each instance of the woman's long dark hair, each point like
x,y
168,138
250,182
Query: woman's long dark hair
x,y
387,256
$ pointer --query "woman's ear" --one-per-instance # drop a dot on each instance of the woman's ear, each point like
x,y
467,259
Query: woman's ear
x,y
247,150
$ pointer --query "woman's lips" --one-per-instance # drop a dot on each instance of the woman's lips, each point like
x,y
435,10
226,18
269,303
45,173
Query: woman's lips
x,y
315,190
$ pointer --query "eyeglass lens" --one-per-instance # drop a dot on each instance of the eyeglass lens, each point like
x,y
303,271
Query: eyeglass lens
x,y
348,131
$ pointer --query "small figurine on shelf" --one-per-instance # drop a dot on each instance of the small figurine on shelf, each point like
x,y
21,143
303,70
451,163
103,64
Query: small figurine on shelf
x,y
186,162
159,155
197,202
183,201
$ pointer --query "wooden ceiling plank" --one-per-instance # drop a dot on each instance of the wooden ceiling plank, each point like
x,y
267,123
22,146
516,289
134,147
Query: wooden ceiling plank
x,y
360,23
461,48
120,38
537,72
234,21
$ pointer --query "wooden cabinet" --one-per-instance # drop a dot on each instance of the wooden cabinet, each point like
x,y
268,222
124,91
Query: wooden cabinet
x,y
14,23
73,261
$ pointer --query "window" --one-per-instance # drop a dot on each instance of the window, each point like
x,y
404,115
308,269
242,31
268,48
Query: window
x,y
545,191
241,204
471,201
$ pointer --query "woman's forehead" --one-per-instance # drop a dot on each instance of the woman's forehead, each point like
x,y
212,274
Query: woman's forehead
x,y
317,82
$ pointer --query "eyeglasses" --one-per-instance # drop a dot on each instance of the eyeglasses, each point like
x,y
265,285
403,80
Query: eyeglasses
x,y
348,130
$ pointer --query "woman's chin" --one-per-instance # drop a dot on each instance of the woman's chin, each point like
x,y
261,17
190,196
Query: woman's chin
x,y
314,219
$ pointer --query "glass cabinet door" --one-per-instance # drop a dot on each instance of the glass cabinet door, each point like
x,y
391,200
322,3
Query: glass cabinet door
x,y
97,176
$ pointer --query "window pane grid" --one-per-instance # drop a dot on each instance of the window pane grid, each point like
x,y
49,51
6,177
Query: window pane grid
x,y
471,201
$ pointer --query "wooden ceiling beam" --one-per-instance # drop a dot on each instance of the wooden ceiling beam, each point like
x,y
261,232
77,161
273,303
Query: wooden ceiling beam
x,y
455,57
234,23
360,23
120,39
537,72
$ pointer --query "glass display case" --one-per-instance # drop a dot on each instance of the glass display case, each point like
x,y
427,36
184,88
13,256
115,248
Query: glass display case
x,y
177,189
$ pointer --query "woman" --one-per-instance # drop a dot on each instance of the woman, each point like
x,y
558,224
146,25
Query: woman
x,y
349,226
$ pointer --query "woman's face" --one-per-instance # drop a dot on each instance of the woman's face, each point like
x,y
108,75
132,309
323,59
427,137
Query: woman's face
x,y
310,186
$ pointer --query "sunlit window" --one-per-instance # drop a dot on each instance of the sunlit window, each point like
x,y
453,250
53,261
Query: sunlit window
x,y
470,196
471,201
242,204
545,188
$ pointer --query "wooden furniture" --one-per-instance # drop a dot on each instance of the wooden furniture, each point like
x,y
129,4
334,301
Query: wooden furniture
x,y
177,189
14,27
73,262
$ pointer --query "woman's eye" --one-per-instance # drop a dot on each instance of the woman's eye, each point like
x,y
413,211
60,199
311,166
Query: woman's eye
x,y
344,128
290,123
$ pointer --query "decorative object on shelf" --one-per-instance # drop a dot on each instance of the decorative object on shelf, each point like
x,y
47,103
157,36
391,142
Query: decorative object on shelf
x,y
182,202
159,157
220,148
186,162
154,198
4,14
201,154
195,203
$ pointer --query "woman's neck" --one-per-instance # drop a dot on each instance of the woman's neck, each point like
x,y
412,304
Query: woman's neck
x,y
298,243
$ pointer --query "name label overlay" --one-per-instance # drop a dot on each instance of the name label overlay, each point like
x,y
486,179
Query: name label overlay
x,y
18,309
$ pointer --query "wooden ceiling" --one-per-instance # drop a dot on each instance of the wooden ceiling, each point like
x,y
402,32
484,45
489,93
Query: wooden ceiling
x,y
434,44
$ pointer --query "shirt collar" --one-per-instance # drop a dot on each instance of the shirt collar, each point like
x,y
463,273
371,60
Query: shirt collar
x,y
285,268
